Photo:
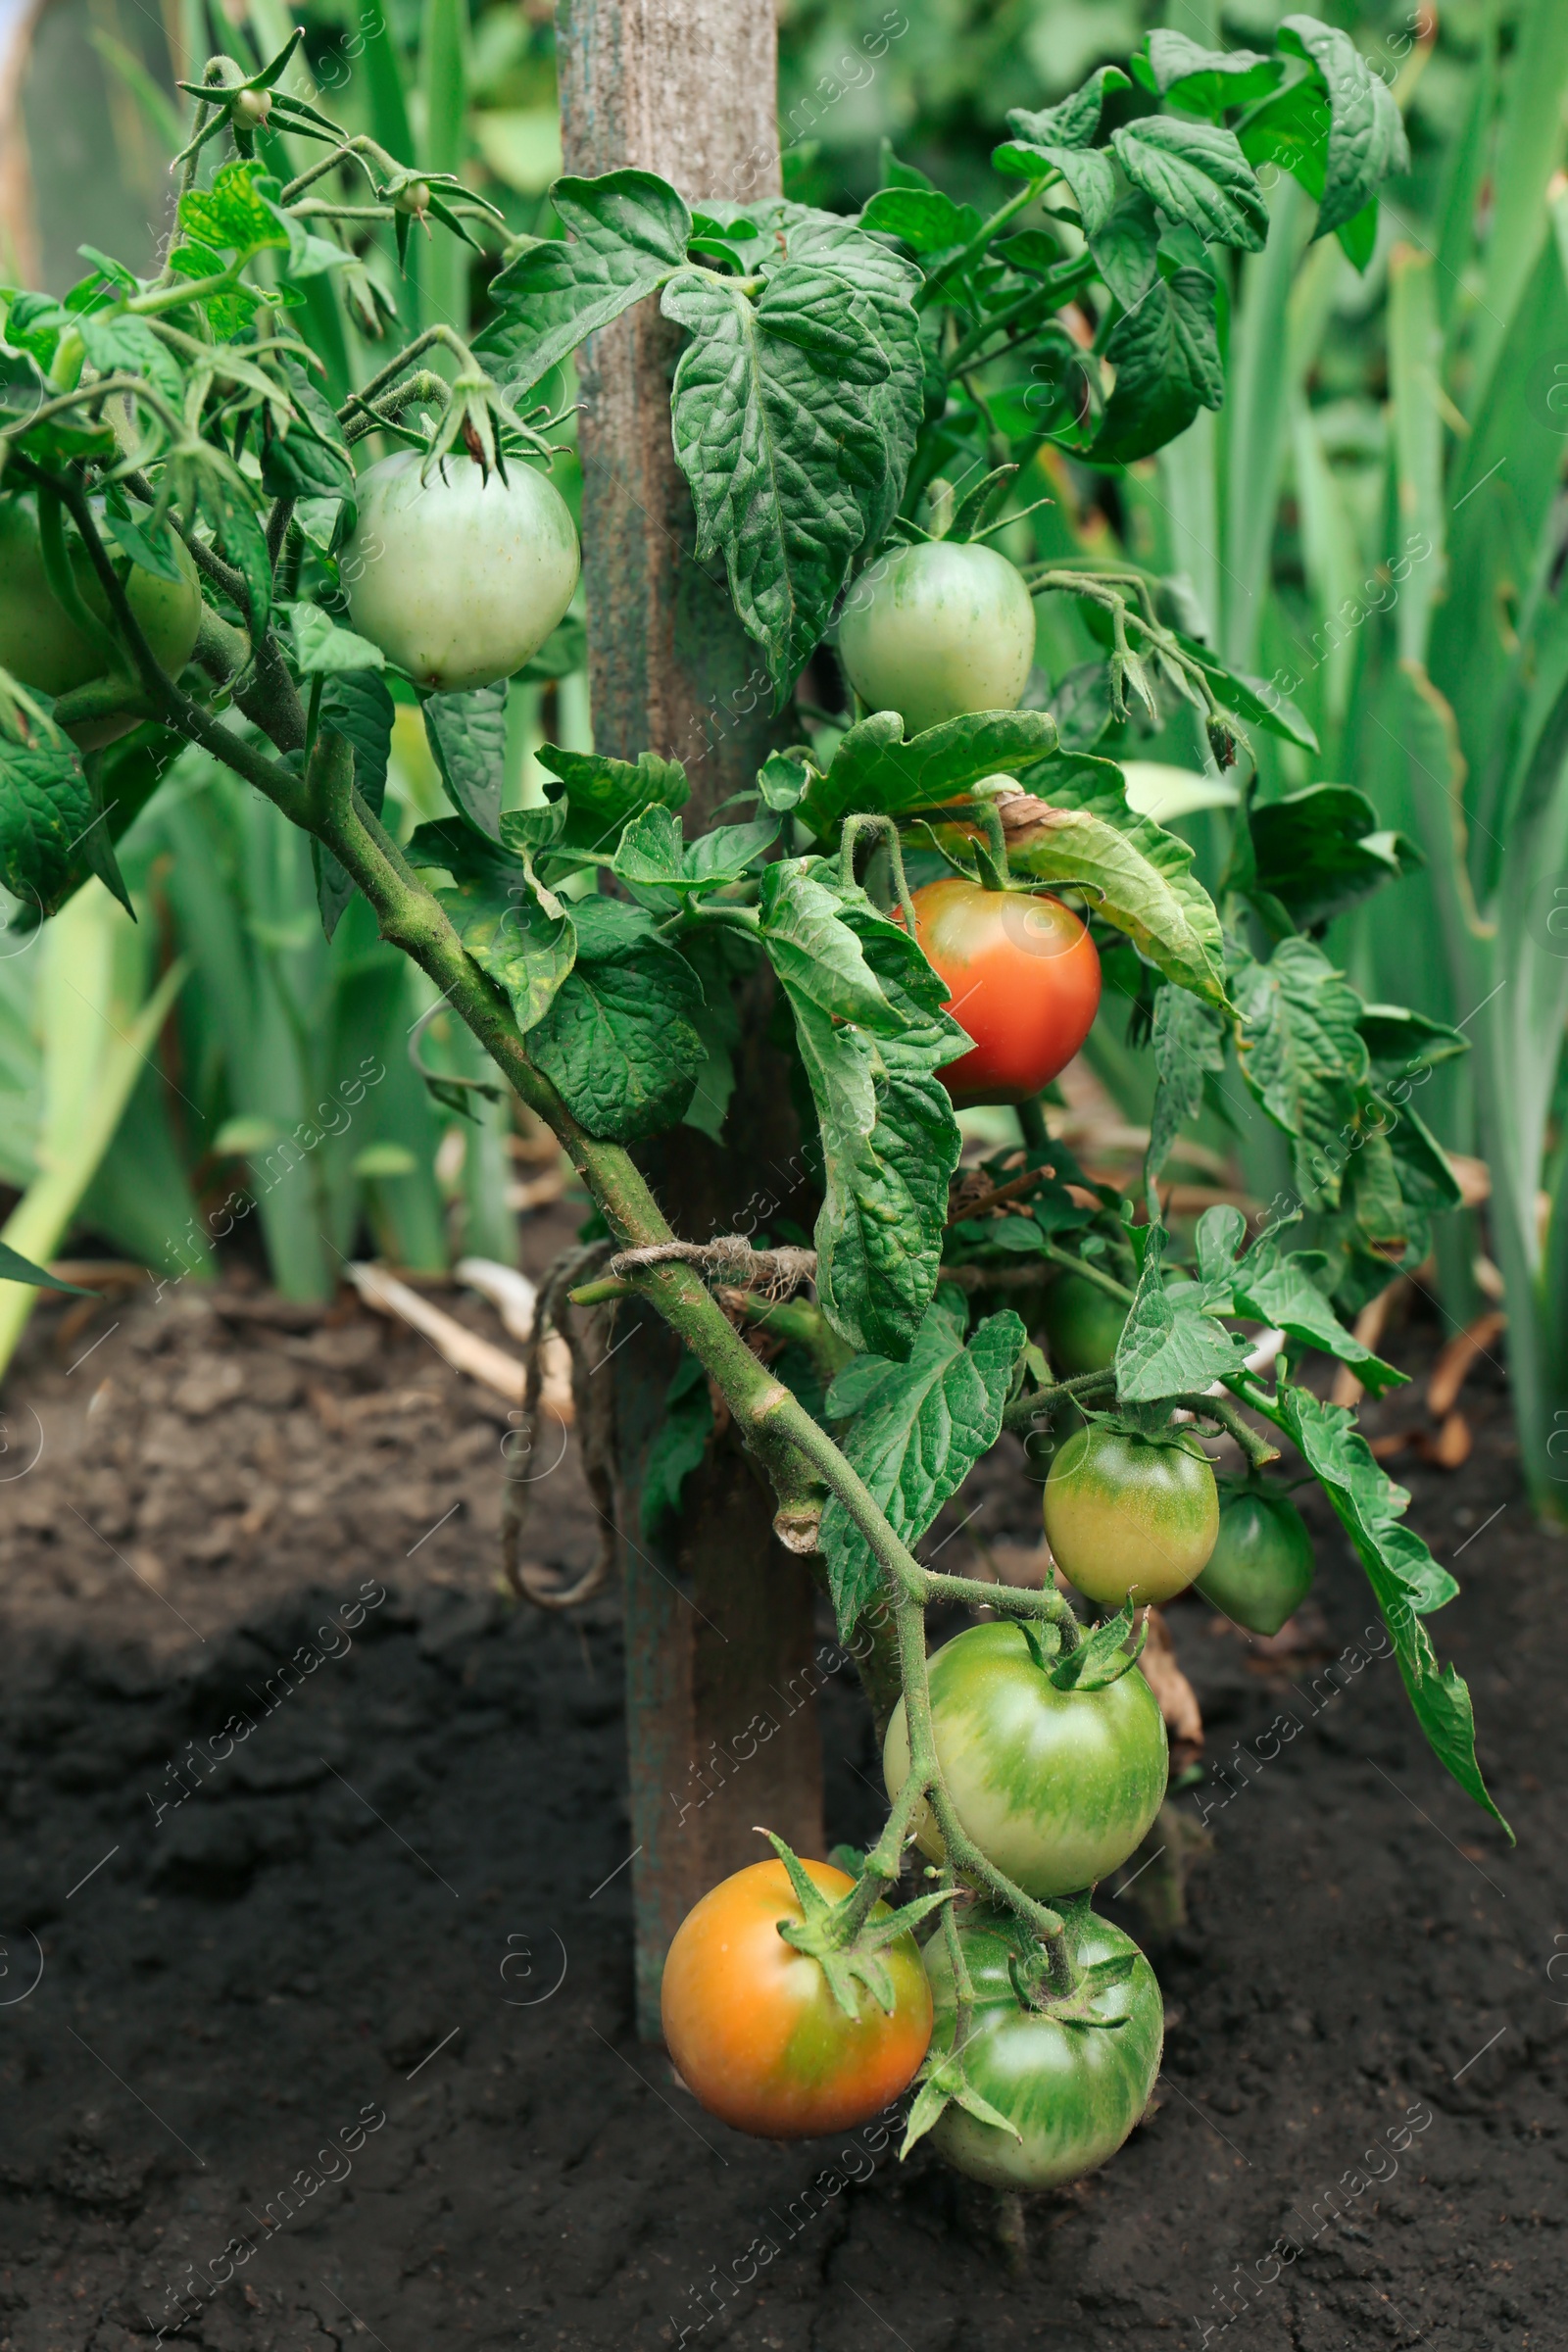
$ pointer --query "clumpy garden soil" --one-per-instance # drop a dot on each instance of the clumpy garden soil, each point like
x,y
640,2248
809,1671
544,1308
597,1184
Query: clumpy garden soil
x,y
362,2002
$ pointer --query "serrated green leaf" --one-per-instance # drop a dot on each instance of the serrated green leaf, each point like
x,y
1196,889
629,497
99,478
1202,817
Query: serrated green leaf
x,y
1319,850
651,852
774,438
875,768
1402,1042
1286,1289
311,458
1189,1045
816,951
603,794
917,1439
923,218
467,735
1169,1346
1406,1579
324,648
1126,249
626,237
230,216
1079,828
1074,119
518,931
1366,139
1166,356
1197,173
118,343
620,1040
131,529
1303,1057
1087,171
1204,82
47,809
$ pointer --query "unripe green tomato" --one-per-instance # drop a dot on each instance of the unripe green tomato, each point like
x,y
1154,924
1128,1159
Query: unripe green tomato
x,y
1083,1324
938,630
1055,1787
42,645
1072,2092
458,579
1126,1514
1260,1569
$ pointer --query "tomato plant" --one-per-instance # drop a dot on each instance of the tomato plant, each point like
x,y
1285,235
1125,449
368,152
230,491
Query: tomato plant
x,y
753,2023
1127,1513
1260,1569
457,575
858,404
1022,979
1064,2091
937,631
1056,1776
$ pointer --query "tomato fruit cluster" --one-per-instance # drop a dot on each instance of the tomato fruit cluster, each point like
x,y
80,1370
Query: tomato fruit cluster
x,y
1023,977
1071,2092
753,2025
461,577
42,645
1055,1787
1260,1569
1130,1515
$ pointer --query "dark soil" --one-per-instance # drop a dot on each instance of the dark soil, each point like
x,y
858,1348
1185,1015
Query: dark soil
x,y
359,2009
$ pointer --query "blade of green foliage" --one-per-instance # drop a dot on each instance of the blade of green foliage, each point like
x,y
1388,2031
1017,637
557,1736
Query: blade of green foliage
x,y
1140,876
678,1446
1284,1289
875,768
1189,1045
779,448
117,342
619,1040
1366,139
467,735
311,459
1403,1575
1320,850
357,705
519,932
1166,356
1086,172
1252,699
625,238
651,852
603,794
48,809
1197,173
1204,82
816,952
323,649
1171,1344
917,1437
14,1267
1126,249
927,220
1304,1056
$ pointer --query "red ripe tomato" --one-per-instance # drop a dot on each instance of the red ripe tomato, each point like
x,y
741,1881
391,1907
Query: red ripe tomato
x,y
754,2028
1023,978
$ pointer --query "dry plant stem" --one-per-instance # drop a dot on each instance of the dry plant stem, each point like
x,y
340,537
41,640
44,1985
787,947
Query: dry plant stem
x,y
325,804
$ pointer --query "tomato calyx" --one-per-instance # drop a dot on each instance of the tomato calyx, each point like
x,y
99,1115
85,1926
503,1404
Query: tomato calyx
x,y
944,2083
1095,1661
844,1941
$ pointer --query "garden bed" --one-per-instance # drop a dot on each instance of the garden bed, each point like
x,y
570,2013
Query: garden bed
x,y
362,2002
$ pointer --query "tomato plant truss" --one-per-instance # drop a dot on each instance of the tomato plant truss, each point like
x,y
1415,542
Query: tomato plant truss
x,y
853,401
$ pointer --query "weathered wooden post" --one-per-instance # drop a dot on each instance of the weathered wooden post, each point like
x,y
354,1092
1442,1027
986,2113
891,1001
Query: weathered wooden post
x,y
718,1629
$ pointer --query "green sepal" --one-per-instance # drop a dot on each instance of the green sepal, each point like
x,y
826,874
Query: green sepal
x,y
847,1951
944,2083
1102,1658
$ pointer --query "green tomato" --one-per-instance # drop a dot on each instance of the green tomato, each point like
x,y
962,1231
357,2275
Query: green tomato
x,y
42,645
1260,1569
1071,2092
1054,1786
939,631
458,579
1129,1514
1083,1324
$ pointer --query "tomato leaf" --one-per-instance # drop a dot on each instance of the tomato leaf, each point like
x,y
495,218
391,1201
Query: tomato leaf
x,y
782,451
309,459
1074,119
1284,1290
47,810
603,794
1319,850
1171,1345
917,1436
1366,140
131,530
620,1040
1126,250
650,852
925,219
518,931
1077,827
1204,82
1166,356
118,343
1252,699
1303,1057
356,705
814,951
1407,1581
678,1446
1189,1045
1196,172
467,735
875,768
1087,171
626,235
325,649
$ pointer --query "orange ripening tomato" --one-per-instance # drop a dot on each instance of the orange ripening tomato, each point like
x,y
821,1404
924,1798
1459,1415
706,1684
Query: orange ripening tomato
x,y
753,2030
1023,979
